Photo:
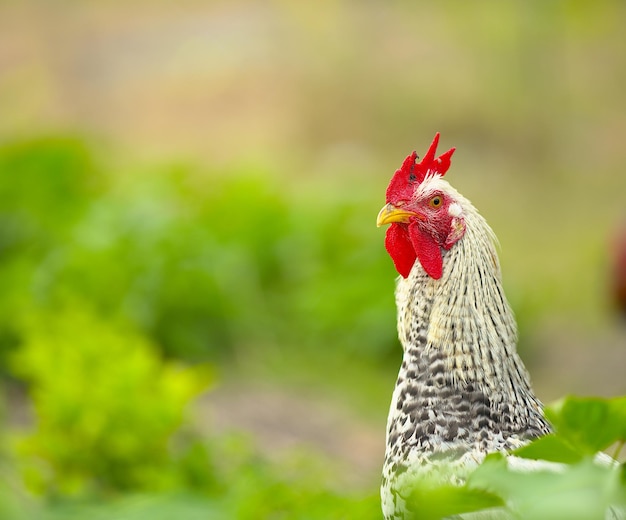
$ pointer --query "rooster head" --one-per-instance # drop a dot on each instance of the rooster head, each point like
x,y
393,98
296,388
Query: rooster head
x,y
424,216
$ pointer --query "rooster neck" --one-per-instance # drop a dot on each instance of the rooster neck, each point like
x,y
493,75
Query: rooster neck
x,y
462,322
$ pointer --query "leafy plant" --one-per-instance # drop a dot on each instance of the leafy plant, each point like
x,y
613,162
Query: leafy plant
x,y
46,186
106,405
203,263
590,424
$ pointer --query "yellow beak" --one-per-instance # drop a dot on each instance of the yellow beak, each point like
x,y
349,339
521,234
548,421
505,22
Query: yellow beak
x,y
391,213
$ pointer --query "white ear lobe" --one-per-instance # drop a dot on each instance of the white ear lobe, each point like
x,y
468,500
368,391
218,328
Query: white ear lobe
x,y
455,210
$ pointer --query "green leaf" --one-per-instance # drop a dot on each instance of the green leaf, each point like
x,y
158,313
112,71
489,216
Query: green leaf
x,y
550,447
590,424
433,502
583,491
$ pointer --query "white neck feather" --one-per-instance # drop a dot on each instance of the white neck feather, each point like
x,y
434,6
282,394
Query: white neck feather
x,y
465,313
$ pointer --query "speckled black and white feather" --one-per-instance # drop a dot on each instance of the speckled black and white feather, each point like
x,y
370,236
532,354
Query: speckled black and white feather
x,y
462,390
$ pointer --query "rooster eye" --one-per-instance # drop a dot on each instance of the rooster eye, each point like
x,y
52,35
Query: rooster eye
x,y
435,202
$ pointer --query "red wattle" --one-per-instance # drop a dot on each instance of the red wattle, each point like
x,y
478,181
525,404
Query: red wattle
x,y
400,248
427,250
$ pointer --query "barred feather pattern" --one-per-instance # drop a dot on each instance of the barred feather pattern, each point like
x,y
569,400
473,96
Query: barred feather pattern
x,y
462,390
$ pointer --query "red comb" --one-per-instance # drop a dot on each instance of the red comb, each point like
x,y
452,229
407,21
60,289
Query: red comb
x,y
411,172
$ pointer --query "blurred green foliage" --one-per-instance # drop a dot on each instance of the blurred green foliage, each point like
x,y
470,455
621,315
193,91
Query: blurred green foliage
x,y
106,405
114,283
199,267
589,424
45,186
583,491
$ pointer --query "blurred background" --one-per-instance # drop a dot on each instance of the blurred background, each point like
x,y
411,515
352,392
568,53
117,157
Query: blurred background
x,y
196,307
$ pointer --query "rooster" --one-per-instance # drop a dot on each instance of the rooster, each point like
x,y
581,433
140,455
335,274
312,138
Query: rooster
x,y
462,390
